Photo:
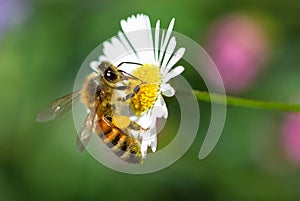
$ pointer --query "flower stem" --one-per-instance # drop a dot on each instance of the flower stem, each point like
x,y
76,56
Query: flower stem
x,y
244,102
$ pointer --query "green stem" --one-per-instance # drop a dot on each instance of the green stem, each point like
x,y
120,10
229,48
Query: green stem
x,y
244,102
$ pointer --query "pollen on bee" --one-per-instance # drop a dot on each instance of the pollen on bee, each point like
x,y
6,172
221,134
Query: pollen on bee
x,y
121,121
148,92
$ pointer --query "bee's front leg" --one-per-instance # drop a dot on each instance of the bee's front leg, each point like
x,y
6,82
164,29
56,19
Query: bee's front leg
x,y
130,95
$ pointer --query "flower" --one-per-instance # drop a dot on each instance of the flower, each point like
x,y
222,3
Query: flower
x,y
238,45
156,54
12,12
291,137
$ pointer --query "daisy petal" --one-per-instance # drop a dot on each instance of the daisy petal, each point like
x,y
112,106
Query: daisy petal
x,y
164,108
167,90
176,57
139,34
169,51
103,58
126,44
160,51
144,147
159,110
134,23
156,42
153,143
94,65
173,73
148,140
144,120
166,39
114,49
107,50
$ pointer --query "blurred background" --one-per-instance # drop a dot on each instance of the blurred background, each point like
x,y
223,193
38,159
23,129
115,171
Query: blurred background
x,y
255,45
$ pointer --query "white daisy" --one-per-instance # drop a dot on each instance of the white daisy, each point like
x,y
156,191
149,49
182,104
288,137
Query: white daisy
x,y
158,56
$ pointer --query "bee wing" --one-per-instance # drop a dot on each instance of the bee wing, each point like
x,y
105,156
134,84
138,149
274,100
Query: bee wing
x,y
58,107
86,131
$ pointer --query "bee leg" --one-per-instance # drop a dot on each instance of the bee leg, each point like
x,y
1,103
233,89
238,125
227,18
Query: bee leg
x,y
122,87
131,95
136,127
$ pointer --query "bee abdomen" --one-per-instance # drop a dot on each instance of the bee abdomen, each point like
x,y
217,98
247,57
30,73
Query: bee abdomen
x,y
133,153
111,138
120,143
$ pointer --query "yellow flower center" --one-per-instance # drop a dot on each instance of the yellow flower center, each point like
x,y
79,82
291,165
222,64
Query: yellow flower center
x,y
148,92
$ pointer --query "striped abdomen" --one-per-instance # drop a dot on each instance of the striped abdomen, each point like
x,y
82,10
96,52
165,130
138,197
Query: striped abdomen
x,y
123,145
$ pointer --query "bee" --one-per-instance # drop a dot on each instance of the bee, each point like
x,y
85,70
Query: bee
x,y
97,94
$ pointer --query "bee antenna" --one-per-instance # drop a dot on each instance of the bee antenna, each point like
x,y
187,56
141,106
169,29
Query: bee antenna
x,y
128,62
131,76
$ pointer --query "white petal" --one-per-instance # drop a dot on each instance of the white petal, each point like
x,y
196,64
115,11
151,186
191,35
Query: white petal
x,y
107,49
176,57
161,52
156,41
164,108
166,39
127,46
124,24
144,120
103,58
94,65
144,147
115,49
159,110
134,23
139,34
173,73
130,57
148,140
124,41
169,52
167,90
153,143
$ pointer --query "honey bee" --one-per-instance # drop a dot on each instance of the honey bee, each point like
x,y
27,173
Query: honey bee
x,y
97,94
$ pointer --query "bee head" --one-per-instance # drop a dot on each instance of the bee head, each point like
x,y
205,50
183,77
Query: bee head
x,y
110,75
108,71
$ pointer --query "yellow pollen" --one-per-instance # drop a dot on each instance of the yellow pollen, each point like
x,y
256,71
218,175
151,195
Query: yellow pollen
x,y
148,92
121,121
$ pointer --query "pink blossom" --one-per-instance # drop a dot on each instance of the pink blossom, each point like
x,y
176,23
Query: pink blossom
x,y
291,136
238,46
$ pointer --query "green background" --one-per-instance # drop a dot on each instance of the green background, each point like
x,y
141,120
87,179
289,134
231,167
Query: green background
x,y
40,57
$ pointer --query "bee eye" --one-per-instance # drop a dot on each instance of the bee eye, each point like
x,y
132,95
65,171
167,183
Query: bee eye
x,y
110,75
